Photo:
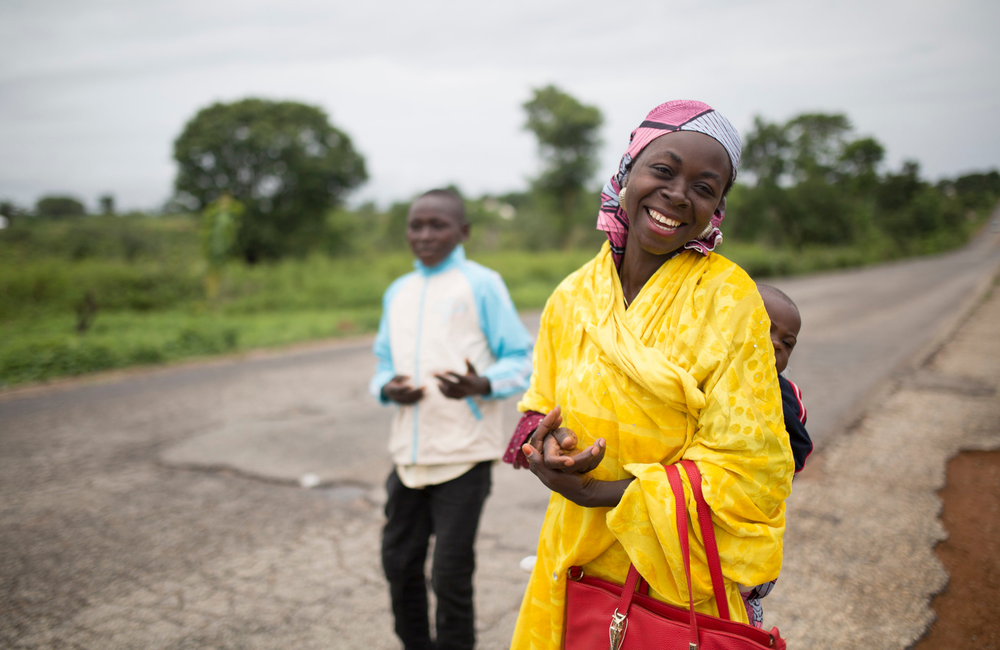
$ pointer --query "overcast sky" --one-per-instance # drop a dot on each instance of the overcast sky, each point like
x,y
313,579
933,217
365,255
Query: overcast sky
x,y
93,93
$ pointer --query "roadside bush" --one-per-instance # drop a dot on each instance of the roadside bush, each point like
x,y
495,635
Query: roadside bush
x,y
55,286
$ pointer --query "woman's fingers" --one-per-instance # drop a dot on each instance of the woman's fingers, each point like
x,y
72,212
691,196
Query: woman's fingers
x,y
591,457
534,459
554,455
565,437
550,422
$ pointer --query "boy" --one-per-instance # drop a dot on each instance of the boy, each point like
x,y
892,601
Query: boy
x,y
785,325
440,323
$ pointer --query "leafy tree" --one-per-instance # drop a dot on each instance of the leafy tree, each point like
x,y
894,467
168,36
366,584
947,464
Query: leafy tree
x,y
220,222
567,133
11,212
859,163
795,166
978,191
107,202
766,152
59,206
898,190
283,161
817,140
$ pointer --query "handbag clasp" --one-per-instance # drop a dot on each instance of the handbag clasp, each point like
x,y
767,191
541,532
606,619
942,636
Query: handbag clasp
x,y
619,623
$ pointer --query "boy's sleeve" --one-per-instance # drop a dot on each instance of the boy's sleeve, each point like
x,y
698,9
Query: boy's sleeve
x,y
384,370
795,422
508,339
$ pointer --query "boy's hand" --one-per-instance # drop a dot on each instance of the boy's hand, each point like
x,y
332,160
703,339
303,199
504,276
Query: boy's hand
x,y
458,386
399,390
555,444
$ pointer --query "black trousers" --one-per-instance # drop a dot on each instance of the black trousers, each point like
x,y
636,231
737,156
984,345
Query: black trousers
x,y
449,511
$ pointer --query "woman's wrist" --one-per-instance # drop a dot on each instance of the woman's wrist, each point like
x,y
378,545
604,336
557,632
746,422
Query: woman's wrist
x,y
601,494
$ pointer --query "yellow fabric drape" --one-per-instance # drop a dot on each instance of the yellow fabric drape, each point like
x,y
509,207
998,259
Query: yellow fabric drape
x,y
687,371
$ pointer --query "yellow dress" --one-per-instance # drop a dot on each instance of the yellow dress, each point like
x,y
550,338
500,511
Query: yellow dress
x,y
686,372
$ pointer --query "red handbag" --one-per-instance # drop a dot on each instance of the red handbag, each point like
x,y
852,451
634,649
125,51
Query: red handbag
x,y
599,612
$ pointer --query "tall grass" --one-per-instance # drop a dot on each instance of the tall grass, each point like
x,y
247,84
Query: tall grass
x,y
154,311
148,286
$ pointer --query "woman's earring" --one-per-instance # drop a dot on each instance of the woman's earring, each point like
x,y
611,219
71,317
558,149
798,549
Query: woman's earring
x,y
621,198
706,232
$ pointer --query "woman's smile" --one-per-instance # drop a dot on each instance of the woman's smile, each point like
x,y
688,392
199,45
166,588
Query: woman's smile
x,y
663,222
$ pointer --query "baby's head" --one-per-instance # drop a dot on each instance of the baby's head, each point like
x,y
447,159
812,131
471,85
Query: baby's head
x,y
785,323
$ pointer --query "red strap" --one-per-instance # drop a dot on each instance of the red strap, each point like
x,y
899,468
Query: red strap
x,y
680,510
708,536
628,590
711,548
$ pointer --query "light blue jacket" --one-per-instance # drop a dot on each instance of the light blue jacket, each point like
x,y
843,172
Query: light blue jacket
x,y
433,319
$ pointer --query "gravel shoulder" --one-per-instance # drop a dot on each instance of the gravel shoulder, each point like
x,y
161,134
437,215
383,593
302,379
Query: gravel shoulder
x,y
863,520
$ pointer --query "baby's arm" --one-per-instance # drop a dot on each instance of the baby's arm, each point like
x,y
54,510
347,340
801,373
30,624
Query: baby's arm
x,y
795,422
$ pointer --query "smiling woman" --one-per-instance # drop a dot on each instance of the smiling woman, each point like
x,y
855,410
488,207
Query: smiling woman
x,y
673,189
656,351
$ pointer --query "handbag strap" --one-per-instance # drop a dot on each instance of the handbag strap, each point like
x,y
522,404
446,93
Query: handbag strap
x,y
708,536
619,620
680,510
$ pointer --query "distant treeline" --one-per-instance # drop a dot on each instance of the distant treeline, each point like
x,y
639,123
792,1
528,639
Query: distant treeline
x,y
283,172
811,184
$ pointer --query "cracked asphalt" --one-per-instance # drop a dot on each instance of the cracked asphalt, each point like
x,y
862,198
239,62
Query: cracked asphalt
x,y
160,508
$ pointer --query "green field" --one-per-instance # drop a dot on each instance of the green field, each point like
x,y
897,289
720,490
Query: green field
x,y
152,308
146,277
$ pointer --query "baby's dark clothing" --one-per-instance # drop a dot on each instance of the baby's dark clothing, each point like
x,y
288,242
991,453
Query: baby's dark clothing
x,y
795,422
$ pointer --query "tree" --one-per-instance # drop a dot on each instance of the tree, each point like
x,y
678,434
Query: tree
x,y
567,133
107,202
220,222
11,212
817,140
859,163
766,152
811,185
59,206
283,161
978,190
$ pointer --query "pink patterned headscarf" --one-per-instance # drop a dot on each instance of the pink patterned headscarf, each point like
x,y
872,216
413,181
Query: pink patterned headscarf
x,y
679,115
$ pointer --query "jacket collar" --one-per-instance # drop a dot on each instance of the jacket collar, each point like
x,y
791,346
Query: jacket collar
x,y
455,258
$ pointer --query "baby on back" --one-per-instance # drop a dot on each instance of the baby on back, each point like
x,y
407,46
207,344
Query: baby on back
x,y
785,325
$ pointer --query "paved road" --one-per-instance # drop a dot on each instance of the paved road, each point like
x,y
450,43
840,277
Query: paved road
x,y
133,511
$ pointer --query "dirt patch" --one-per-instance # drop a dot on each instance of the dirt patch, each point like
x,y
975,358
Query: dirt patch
x,y
967,610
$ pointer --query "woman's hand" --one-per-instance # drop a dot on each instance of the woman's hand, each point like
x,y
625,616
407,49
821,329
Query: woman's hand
x,y
566,474
581,489
555,443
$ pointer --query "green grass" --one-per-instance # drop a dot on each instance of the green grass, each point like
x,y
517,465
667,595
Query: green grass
x,y
49,347
152,312
151,308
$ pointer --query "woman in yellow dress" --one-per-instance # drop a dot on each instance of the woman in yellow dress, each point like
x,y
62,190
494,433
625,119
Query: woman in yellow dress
x,y
657,350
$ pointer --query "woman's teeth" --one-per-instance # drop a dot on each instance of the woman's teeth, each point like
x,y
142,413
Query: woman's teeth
x,y
660,219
